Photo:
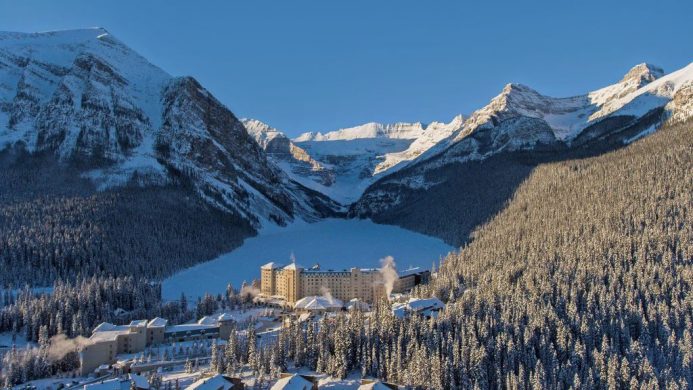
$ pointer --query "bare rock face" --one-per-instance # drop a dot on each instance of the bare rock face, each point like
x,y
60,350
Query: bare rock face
x,y
90,115
285,153
90,99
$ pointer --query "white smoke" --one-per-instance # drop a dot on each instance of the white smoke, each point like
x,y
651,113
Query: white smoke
x,y
327,294
249,292
60,345
388,270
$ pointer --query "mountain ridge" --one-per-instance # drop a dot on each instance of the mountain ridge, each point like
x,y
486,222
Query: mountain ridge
x,y
86,96
518,118
440,193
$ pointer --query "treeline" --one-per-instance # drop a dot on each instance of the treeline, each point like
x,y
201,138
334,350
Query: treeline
x,y
57,319
55,226
583,281
75,308
35,362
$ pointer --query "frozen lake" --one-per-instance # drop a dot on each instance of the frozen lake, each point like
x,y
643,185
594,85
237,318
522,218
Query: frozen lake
x,y
333,243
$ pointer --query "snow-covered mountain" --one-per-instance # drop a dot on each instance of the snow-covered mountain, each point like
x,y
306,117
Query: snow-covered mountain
x,y
295,161
86,97
343,163
521,119
91,101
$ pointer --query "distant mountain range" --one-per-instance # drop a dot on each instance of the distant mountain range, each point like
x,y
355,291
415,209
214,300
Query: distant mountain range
x,y
433,179
99,108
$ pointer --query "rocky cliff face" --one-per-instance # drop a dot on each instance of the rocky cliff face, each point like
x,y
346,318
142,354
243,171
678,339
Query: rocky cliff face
x,y
286,154
95,103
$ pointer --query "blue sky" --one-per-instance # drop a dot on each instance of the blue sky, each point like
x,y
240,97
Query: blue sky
x,y
320,65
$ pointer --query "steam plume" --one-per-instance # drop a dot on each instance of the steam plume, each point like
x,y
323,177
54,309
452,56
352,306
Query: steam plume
x,y
327,294
61,345
249,292
388,270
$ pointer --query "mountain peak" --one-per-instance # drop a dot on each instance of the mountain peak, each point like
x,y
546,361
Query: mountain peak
x,y
516,87
518,92
643,74
56,36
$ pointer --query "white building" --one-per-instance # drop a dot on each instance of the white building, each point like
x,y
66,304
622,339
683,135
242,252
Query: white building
x,y
427,307
216,382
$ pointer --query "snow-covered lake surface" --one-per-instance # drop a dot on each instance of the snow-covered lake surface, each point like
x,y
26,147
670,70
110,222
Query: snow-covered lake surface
x,y
333,243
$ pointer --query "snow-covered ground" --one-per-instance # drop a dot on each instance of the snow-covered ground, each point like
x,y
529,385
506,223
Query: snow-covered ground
x,y
333,243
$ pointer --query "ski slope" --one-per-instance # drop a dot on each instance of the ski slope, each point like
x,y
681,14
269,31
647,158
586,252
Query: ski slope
x,y
334,243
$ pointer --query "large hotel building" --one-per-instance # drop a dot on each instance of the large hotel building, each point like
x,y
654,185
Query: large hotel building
x,y
293,282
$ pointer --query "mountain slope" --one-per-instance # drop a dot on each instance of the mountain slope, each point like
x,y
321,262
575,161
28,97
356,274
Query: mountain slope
x,y
584,280
466,178
87,97
122,133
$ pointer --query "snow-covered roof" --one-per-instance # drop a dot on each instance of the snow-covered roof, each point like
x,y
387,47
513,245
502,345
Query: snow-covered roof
x,y
138,323
157,322
293,266
207,320
425,306
375,385
225,317
418,304
216,382
357,304
106,331
105,326
111,384
399,310
270,265
139,381
411,271
189,327
293,382
318,303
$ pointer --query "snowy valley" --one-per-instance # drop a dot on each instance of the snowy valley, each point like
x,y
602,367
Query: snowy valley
x,y
150,238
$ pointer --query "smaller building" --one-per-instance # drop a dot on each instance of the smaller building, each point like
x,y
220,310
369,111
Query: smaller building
x,y
374,384
409,278
357,304
133,381
155,331
318,304
295,382
207,327
217,382
427,307
108,340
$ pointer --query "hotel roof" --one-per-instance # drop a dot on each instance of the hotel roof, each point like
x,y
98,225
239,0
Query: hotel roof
x,y
293,266
157,322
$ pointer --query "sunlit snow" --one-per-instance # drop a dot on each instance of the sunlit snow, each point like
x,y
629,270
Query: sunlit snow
x,y
333,243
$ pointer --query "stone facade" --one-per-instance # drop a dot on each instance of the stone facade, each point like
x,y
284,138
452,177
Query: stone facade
x,y
294,282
